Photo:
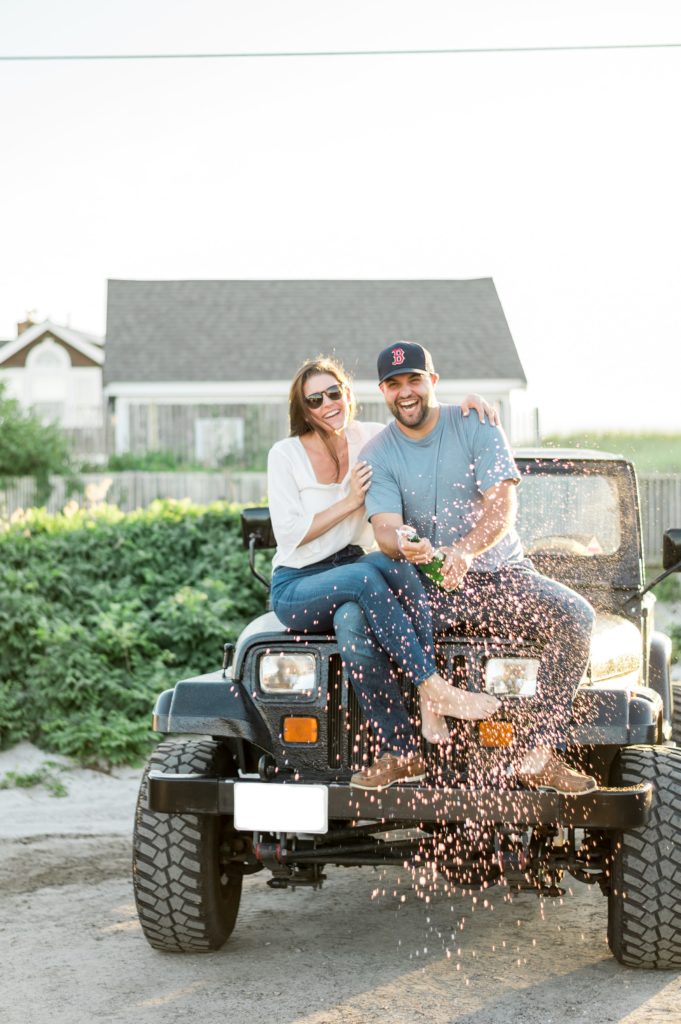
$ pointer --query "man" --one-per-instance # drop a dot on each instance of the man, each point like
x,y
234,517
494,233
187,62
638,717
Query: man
x,y
454,481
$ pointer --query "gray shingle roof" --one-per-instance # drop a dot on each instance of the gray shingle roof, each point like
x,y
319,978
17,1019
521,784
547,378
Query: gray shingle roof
x,y
262,330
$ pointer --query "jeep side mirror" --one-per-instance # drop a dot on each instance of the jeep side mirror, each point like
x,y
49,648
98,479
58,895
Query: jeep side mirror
x,y
256,525
256,534
671,558
671,549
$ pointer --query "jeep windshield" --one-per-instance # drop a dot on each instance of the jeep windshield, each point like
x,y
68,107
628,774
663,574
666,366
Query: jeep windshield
x,y
578,515
579,511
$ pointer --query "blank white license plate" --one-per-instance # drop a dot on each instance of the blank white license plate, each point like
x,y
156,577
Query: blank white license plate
x,y
272,807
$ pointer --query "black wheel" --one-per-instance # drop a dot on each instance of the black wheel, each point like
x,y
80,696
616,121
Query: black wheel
x,y
644,929
676,714
186,900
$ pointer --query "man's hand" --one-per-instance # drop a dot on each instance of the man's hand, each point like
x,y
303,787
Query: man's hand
x,y
455,566
418,552
498,516
483,408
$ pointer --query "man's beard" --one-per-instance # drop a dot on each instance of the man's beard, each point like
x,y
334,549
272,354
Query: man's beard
x,y
418,420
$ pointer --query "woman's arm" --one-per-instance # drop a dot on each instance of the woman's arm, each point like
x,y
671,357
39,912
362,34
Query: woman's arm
x,y
292,524
360,479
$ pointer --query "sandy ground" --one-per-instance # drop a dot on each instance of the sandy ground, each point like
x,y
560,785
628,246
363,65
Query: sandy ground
x,y
365,949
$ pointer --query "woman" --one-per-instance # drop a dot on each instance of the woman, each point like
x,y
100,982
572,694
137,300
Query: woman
x,y
323,580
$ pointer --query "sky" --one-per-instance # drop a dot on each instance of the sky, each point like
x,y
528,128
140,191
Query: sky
x,y
558,174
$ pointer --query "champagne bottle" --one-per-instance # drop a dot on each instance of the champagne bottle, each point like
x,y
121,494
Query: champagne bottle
x,y
432,569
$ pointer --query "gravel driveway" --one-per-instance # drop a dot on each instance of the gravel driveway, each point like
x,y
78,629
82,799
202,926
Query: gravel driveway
x,y
365,949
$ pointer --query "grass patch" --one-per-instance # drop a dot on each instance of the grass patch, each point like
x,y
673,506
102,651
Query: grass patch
x,y
46,775
650,453
668,590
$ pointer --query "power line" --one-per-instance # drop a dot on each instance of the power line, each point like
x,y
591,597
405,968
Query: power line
x,y
337,53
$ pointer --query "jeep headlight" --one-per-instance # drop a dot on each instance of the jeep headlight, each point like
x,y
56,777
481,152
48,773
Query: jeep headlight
x,y
287,673
511,677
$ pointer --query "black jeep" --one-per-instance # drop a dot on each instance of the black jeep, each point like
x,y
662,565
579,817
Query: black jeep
x,y
255,773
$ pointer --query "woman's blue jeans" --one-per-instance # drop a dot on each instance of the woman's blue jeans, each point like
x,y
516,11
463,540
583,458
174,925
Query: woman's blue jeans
x,y
380,614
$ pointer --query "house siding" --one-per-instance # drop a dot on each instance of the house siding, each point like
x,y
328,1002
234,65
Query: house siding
x,y
179,352
173,427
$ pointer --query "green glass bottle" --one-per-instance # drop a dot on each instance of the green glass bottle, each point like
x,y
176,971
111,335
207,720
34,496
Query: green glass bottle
x,y
432,569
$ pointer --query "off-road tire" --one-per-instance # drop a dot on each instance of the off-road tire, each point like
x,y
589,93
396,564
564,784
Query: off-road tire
x,y
185,900
643,905
676,714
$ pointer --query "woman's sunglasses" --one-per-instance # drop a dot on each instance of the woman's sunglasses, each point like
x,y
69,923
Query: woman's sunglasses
x,y
317,397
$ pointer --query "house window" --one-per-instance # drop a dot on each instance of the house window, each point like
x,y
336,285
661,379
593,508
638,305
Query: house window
x,y
46,360
218,437
47,375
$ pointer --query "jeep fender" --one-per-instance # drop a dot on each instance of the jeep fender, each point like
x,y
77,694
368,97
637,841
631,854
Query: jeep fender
x,y
210,705
660,671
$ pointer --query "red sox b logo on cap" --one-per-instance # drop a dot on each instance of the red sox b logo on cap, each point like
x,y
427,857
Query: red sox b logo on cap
x,y
403,357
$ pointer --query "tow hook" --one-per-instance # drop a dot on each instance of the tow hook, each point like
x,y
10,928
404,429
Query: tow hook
x,y
267,768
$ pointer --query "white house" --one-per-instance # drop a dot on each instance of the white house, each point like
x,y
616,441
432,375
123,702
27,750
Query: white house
x,y
57,372
203,367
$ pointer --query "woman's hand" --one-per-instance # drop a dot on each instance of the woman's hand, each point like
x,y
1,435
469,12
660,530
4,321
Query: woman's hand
x,y
482,408
360,481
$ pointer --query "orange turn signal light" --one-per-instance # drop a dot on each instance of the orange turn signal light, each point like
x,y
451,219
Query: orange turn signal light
x,y
300,730
495,734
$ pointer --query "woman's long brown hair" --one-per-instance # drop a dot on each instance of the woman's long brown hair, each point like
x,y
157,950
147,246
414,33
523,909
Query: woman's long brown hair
x,y
298,410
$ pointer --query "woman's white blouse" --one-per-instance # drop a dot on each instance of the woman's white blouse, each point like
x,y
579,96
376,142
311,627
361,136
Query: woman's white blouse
x,y
295,497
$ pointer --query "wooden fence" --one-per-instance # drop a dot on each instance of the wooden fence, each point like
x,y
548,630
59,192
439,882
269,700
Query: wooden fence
x,y
133,489
660,495
660,510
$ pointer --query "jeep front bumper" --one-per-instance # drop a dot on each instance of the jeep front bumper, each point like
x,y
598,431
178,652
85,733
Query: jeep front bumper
x,y
620,809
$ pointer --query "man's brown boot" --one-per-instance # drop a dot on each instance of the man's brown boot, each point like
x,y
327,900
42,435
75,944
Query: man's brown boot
x,y
556,775
388,770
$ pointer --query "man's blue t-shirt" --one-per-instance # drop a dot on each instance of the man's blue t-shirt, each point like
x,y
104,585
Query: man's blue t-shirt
x,y
436,482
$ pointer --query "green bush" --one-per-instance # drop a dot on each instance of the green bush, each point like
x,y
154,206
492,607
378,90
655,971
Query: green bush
x,y
156,460
163,460
100,611
29,447
669,589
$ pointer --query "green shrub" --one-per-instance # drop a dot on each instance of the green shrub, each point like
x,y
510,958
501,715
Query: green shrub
x,y
100,611
164,460
156,460
669,589
29,447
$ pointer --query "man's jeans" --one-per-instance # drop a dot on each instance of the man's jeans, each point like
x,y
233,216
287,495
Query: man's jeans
x,y
518,604
515,603
381,617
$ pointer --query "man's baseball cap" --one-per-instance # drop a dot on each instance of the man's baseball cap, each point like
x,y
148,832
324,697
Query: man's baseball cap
x,y
403,357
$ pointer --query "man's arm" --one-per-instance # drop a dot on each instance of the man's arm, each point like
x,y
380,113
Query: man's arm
x,y
385,525
499,513
498,516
